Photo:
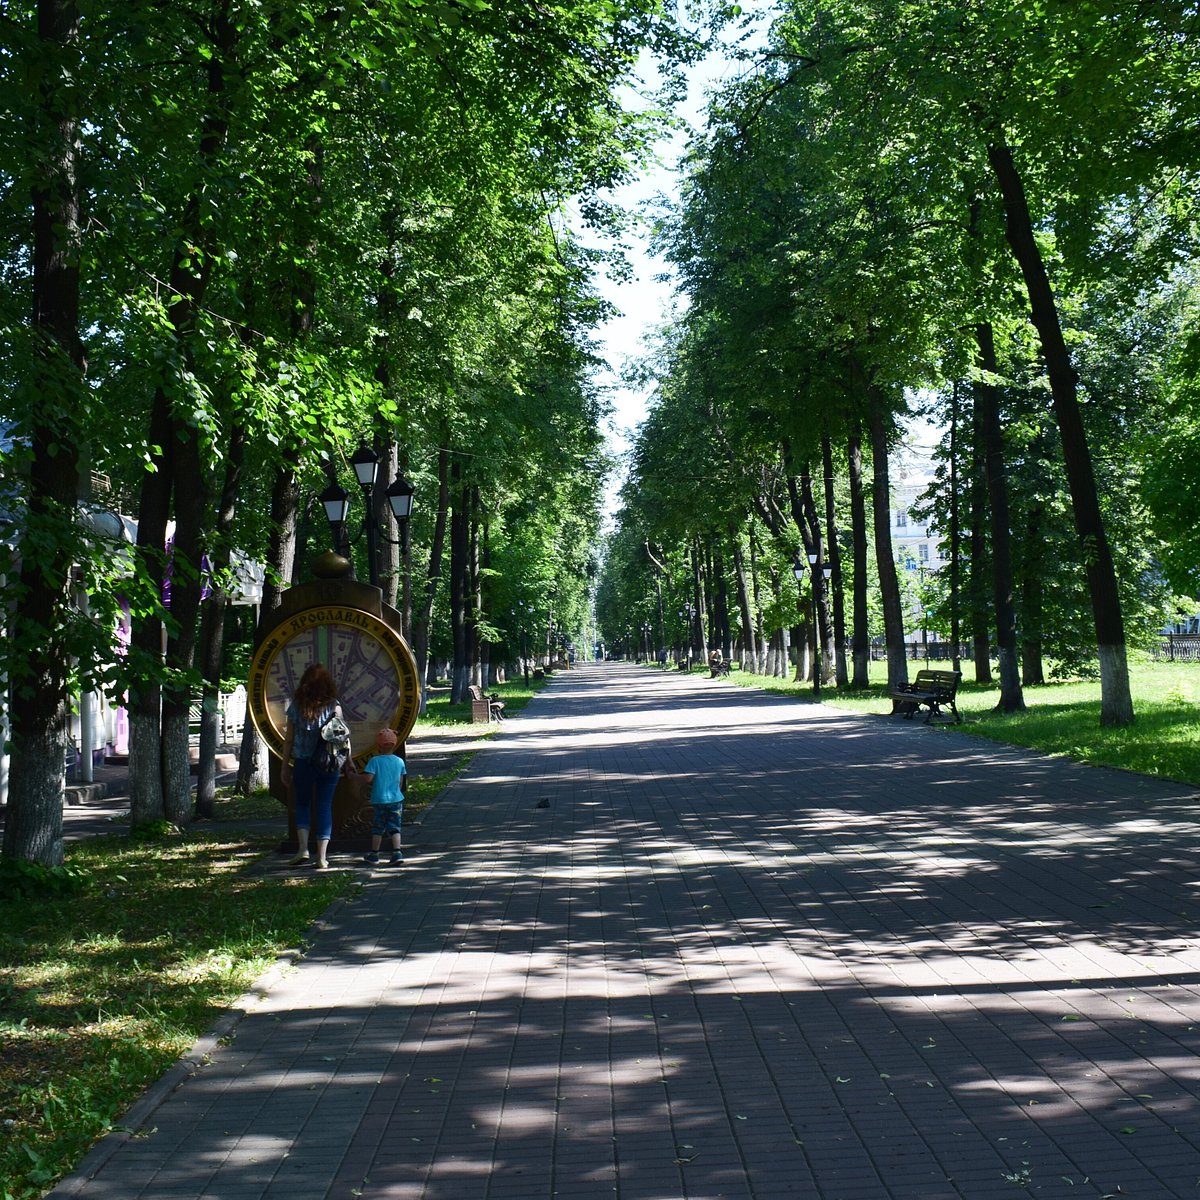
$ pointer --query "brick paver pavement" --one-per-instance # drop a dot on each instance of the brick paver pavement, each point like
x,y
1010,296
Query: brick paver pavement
x,y
669,938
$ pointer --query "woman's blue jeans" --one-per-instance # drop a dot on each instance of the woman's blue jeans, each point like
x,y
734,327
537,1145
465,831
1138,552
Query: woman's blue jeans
x,y
314,799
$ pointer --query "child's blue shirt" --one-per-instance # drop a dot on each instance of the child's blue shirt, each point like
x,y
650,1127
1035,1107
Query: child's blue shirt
x,y
387,770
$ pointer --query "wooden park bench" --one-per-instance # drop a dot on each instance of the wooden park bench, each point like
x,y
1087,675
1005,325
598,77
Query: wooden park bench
x,y
930,689
485,708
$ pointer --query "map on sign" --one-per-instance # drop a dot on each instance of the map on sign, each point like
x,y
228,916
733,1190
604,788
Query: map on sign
x,y
372,668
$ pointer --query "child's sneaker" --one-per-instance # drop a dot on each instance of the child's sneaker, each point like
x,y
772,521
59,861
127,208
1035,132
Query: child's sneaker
x,y
397,860
372,857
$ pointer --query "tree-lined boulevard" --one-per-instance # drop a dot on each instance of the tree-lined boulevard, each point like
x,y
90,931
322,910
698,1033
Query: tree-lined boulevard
x,y
981,214
247,243
295,296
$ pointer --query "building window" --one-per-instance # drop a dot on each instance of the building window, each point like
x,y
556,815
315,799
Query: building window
x,y
901,519
923,552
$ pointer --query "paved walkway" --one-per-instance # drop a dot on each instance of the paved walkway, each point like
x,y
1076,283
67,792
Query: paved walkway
x,y
669,938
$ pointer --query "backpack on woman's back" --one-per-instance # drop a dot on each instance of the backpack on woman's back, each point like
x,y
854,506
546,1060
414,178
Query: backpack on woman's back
x,y
333,747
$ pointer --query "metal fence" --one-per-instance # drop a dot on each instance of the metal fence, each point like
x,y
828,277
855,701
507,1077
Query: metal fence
x,y
1172,647
933,651
1178,647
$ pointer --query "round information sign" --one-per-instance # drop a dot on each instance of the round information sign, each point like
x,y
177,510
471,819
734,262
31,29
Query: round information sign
x,y
372,667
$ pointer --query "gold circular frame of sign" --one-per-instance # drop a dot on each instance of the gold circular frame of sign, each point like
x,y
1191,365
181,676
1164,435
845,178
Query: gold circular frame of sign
x,y
353,625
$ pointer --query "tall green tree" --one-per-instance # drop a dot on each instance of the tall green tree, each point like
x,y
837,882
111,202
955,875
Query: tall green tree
x,y
49,429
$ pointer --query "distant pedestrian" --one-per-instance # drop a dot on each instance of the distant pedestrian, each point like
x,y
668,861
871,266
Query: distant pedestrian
x,y
387,777
310,711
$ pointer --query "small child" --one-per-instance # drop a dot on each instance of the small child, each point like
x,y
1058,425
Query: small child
x,y
387,778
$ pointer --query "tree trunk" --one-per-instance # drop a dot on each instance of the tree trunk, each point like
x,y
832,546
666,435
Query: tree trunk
x,y
823,630
281,566
487,669
889,585
955,548
833,554
192,506
988,400
699,641
660,572
212,644
212,628
1032,669
796,636
37,680
459,547
756,592
424,614
389,545
749,657
1033,558
861,636
474,593
404,561
191,268
1116,701
724,636
146,637
809,545
980,639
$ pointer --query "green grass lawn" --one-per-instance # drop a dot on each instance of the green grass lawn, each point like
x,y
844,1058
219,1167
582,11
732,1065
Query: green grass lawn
x,y
1061,718
101,989
439,712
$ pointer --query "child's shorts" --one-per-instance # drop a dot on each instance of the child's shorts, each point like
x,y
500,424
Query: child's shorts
x,y
385,818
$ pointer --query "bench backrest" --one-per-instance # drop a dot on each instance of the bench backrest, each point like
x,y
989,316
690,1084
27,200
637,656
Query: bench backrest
x,y
474,692
931,680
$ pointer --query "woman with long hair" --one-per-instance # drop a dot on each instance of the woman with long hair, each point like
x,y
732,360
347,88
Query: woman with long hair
x,y
313,705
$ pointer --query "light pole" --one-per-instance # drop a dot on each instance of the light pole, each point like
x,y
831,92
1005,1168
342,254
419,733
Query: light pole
x,y
336,502
826,572
924,620
798,570
518,617
659,572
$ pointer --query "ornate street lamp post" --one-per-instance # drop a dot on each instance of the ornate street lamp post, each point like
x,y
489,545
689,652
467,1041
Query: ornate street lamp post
x,y
336,502
688,613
